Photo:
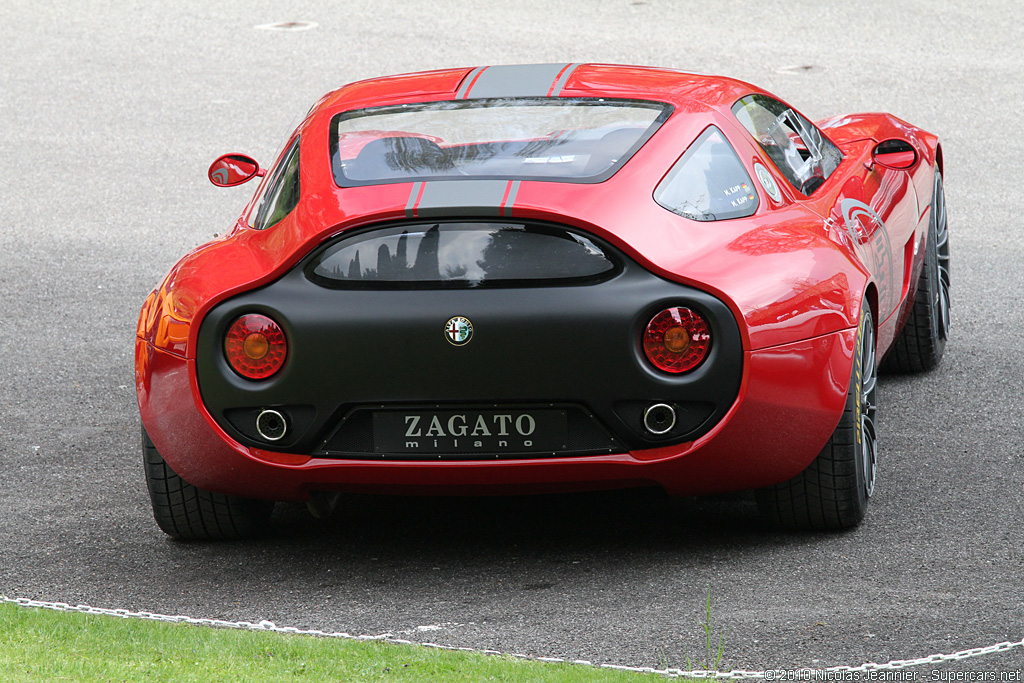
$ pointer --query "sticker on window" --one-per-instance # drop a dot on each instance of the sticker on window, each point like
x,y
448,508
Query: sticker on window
x,y
708,183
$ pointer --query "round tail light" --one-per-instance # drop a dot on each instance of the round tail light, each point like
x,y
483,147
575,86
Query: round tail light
x,y
255,346
677,340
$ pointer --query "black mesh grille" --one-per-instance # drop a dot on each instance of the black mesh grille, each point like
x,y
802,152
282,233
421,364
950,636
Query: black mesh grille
x,y
354,435
690,415
298,419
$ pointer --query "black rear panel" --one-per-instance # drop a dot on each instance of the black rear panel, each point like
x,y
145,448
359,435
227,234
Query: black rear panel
x,y
552,367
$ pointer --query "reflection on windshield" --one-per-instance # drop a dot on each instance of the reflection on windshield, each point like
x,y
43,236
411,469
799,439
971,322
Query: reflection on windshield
x,y
581,139
460,254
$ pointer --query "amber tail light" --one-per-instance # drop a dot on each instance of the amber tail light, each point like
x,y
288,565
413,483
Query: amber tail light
x,y
677,340
255,346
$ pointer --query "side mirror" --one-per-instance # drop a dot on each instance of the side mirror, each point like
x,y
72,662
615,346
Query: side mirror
x,y
895,153
233,169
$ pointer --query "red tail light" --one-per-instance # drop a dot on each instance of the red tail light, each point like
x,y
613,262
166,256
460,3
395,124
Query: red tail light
x,y
677,340
255,346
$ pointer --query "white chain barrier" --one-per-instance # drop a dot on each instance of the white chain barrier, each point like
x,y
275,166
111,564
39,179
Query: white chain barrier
x,y
834,673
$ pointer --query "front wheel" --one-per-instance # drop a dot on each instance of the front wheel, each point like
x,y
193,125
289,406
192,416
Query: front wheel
x,y
833,492
189,513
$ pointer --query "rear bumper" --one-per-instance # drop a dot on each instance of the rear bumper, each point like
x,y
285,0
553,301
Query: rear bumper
x,y
790,400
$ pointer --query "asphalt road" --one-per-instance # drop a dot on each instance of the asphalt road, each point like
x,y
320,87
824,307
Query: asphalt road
x,y
109,117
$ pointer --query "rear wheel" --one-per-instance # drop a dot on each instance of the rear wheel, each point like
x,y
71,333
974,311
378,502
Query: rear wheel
x,y
922,340
833,492
188,513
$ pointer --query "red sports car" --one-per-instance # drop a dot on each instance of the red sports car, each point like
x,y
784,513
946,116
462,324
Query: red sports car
x,y
542,278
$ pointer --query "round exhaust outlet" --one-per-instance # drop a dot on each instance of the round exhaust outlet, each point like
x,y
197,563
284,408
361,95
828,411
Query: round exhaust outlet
x,y
659,418
271,425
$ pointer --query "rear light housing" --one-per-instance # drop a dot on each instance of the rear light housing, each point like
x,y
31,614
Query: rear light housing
x,y
677,340
165,318
255,346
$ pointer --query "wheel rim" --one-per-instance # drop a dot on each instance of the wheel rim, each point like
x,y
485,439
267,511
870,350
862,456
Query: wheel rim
x,y
942,259
868,409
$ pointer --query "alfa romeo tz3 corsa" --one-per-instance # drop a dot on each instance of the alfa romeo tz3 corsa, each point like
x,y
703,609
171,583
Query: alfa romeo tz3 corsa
x,y
542,278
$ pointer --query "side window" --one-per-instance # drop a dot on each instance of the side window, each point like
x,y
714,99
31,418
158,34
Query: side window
x,y
795,145
282,193
708,183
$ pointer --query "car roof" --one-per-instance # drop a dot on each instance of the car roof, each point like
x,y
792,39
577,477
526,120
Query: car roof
x,y
679,88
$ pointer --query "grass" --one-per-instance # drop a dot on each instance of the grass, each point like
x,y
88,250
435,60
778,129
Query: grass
x,y
714,642
44,645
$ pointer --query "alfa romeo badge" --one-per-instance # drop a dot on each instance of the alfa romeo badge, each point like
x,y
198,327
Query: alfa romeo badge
x,y
458,331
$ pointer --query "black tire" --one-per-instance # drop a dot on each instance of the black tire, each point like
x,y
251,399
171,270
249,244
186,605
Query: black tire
x,y
833,492
188,513
922,340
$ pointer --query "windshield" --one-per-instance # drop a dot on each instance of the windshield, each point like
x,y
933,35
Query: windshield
x,y
578,140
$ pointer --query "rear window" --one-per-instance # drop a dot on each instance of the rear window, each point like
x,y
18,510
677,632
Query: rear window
x,y
461,255
568,139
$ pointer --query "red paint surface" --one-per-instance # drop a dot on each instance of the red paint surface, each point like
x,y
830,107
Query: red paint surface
x,y
793,275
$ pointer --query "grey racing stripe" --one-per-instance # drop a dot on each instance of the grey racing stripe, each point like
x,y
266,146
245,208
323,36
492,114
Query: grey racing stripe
x,y
510,202
557,89
414,196
467,82
461,198
527,80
